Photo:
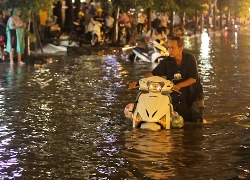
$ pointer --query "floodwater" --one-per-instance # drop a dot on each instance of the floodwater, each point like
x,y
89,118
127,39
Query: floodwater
x,y
65,120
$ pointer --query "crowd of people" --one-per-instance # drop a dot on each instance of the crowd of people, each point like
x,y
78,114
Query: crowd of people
x,y
189,104
133,22
130,23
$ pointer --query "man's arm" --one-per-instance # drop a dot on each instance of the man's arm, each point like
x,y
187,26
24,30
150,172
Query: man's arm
x,y
186,83
134,84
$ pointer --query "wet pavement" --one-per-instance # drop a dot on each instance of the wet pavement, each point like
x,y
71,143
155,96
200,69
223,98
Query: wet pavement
x,y
64,120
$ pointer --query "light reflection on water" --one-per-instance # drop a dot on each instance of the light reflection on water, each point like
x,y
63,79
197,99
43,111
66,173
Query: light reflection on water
x,y
65,120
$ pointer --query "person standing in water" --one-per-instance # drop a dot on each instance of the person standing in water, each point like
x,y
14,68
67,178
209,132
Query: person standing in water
x,y
15,36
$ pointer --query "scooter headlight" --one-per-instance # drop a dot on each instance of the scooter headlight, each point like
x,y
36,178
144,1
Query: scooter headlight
x,y
138,119
155,86
163,121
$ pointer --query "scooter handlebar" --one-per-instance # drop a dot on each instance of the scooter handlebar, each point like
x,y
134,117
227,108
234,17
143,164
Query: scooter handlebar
x,y
176,91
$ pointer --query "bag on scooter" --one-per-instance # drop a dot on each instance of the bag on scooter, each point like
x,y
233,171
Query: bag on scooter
x,y
177,120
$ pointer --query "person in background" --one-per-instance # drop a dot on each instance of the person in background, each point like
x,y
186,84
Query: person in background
x,y
3,23
154,34
100,18
126,20
157,21
176,20
164,22
182,68
43,16
87,17
80,26
152,17
92,9
15,36
141,22
134,24
109,26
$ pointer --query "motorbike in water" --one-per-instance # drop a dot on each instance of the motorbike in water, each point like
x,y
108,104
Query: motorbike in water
x,y
139,54
153,109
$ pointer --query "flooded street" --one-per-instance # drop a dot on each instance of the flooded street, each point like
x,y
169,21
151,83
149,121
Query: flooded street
x,y
65,120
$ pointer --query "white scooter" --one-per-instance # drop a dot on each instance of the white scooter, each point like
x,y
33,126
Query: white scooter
x,y
153,109
158,54
95,28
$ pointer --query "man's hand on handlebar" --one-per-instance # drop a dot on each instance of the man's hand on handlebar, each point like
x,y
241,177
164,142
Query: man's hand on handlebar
x,y
133,85
176,88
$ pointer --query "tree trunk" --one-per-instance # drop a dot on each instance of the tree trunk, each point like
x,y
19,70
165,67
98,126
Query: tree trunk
x,y
69,18
148,19
196,22
228,18
172,23
202,21
37,35
214,18
27,40
57,11
221,19
184,18
115,15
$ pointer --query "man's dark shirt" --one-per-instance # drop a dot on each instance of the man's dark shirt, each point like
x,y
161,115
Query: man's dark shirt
x,y
188,69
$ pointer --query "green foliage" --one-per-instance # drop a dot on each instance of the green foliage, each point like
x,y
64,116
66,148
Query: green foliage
x,y
165,5
32,36
28,5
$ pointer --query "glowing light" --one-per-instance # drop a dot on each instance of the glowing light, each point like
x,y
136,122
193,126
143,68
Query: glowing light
x,y
205,59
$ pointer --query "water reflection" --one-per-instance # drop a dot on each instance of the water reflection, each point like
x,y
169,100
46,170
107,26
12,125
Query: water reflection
x,y
205,58
148,151
12,77
164,154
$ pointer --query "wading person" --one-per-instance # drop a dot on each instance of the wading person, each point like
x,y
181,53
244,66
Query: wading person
x,y
15,36
182,67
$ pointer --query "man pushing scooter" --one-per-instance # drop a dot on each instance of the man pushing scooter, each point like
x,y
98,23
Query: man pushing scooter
x,y
181,67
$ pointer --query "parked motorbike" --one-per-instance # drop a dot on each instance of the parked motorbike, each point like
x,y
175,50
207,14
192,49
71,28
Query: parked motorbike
x,y
96,35
153,109
140,54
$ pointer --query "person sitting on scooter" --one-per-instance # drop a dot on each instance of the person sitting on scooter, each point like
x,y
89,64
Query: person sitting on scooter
x,y
100,18
80,24
154,34
181,67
